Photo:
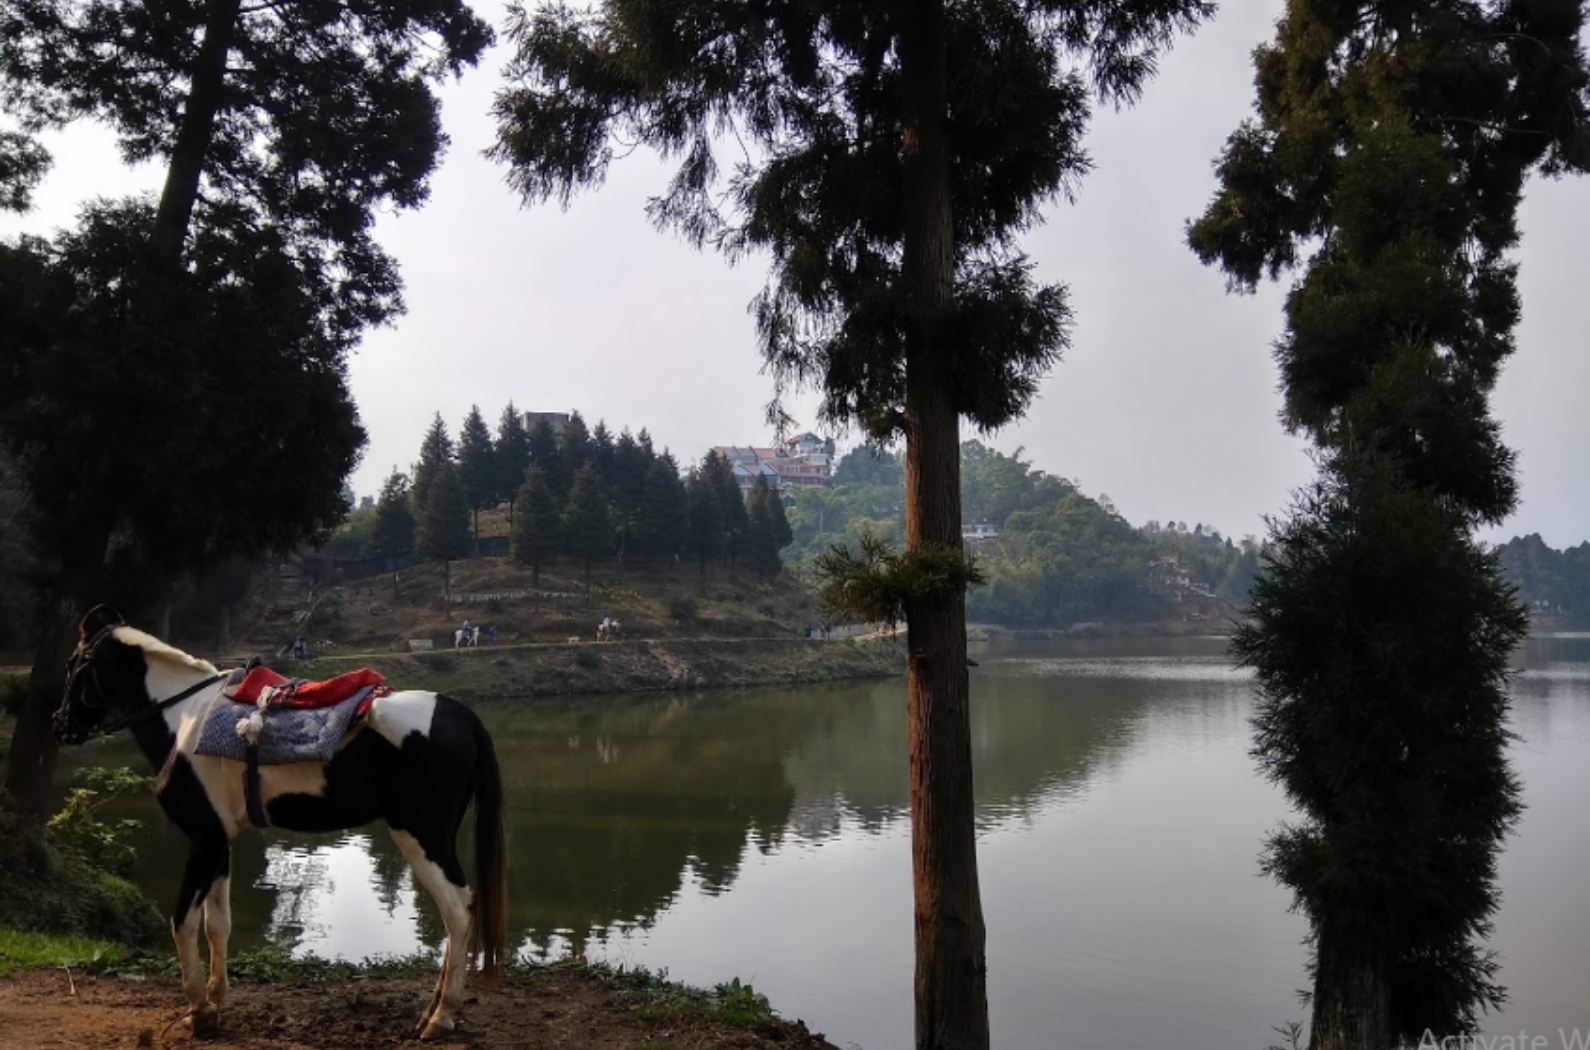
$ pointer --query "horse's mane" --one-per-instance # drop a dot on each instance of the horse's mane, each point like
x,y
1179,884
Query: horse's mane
x,y
155,648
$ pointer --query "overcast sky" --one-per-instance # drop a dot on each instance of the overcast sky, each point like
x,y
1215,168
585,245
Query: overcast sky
x,y
1166,400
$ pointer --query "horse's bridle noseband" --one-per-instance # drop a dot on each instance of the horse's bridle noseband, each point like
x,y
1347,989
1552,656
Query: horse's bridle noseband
x,y
68,729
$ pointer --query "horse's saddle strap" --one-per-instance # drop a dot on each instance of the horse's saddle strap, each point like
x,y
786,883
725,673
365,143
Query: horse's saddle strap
x,y
253,794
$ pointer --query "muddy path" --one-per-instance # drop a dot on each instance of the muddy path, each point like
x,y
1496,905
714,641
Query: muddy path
x,y
537,1010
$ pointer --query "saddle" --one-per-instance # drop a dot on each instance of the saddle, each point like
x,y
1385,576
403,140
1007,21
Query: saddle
x,y
261,717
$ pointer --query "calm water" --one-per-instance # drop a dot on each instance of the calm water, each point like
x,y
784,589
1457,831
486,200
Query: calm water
x,y
763,835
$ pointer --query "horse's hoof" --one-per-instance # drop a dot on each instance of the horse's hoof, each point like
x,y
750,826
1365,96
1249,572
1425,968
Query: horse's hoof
x,y
206,1022
435,1030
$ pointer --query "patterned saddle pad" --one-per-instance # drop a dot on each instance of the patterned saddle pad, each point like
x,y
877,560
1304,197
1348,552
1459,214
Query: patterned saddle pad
x,y
293,720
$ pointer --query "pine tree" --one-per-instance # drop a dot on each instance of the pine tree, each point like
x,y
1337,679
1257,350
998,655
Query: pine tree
x,y
394,519
735,522
546,457
587,524
575,446
443,529
705,512
1387,164
663,516
510,459
436,457
769,530
893,176
538,534
477,468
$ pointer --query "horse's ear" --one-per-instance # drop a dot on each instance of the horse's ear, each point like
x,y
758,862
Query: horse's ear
x,y
97,619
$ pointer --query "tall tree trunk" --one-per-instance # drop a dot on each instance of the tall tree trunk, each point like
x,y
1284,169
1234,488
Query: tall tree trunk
x,y
951,968
206,92
1352,999
30,769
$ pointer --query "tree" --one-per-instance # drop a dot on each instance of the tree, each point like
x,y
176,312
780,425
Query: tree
x,y
769,530
394,518
734,522
705,512
23,163
443,529
511,458
1387,163
663,514
587,523
900,151
545,457
284,126
538,534
253,410
476,468
436,458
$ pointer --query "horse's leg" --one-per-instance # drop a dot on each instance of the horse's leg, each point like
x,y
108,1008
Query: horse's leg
x,y
218,927
205,858
436,866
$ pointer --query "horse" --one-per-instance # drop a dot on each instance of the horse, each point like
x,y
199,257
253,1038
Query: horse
x,y
609,631
417,761
469,637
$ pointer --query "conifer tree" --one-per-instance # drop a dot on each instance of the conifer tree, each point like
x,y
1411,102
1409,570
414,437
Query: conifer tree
x,y
769,530
705,512
443,529
394,518
587,523
1390,153
538,534
734,522
436,457
663,527
900,151
546,457
575,447
476,468
510,459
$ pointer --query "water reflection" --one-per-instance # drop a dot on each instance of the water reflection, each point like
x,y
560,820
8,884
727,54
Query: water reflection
x,y
763,835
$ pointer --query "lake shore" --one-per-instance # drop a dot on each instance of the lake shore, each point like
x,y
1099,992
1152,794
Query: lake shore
x,y
644,665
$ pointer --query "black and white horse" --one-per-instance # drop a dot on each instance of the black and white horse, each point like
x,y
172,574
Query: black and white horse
x,y
416,762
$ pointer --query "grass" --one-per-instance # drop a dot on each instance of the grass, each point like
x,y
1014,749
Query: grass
x,y
25,950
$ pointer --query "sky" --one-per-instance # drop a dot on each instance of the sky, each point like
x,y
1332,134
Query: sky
x,y
1166,400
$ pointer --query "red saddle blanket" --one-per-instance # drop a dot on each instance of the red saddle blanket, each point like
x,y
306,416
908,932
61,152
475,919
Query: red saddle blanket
x,y
298,693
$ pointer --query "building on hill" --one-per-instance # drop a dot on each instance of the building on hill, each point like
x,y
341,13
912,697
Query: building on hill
x,y
555,420
802,462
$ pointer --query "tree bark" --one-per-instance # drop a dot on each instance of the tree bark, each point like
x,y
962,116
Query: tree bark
x,y
1352,999
951,968
30,769
206,93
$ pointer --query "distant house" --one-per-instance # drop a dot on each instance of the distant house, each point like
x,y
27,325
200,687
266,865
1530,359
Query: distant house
x,y
981,532
802,463
555,420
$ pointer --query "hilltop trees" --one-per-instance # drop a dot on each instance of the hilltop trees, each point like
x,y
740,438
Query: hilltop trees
x,y
477,467
1387,164
892,174
768,531
394,519
537,535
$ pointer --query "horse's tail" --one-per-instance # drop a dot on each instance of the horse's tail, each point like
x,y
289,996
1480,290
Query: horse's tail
x,y
491,864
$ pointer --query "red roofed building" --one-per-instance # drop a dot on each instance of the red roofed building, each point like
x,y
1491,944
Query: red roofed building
x,y
803,461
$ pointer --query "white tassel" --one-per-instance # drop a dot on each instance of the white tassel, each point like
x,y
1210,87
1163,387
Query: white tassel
x,y
251,727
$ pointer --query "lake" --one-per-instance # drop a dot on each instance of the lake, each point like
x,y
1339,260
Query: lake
x,y
763,835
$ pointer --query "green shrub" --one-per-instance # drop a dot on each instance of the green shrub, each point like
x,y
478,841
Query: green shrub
x,y
79,829
683,608
589,659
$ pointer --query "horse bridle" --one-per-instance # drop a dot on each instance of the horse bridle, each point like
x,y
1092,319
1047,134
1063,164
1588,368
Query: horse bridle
x,y
69,730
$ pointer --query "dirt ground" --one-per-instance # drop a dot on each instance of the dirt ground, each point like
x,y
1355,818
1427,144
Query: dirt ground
x,y
540,1010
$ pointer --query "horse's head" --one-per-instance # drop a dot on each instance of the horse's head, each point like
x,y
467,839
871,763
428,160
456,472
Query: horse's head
x,y
85,703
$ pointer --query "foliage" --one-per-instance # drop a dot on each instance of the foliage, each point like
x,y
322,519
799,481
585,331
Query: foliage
x,y
587,522
30,950
393,535
1381,638
437,455
477,465
876,583
1549,581
817,96
53,891
78,824
1387,162
443,533
740,1003
510,457
589,659
684,608
538,534
768,530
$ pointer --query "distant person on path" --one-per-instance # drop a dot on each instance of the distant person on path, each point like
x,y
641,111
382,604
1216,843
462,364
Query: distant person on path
x,y
491,634
300,650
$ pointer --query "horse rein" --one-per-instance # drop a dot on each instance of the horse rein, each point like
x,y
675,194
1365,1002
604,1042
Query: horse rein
x,y
83,658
